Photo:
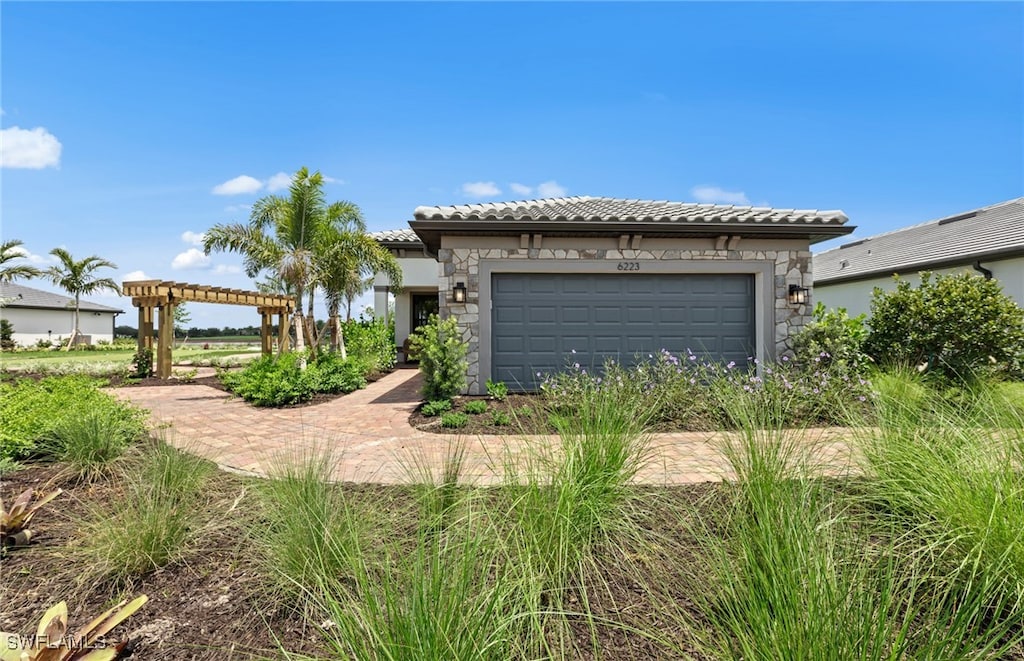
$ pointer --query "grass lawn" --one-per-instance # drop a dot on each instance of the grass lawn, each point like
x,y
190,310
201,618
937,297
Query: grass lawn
x,y
27,360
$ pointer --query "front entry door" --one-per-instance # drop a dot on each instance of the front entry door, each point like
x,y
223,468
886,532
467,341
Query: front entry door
x,y
423,305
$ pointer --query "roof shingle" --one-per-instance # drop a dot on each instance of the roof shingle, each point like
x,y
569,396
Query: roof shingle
x,y
20,296
961,238
607,209
405,235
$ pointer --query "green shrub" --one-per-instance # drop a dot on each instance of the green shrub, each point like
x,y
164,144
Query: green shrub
x,y
833,341
454,420
373,341
330,374
955,325
497,389
142,364
436,407
442,355
500,419
475,407
31,410
270,381
6,335
278,381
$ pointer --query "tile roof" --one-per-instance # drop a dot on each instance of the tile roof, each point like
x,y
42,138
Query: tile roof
x,y
962,238
405,235
607,209
20,296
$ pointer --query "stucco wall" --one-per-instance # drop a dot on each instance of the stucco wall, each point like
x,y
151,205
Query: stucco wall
x,y
856,296
775,265
419,275
31,325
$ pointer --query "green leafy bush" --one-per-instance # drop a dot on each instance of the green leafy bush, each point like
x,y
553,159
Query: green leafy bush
x,y
436,407
31,410
833,341
278,381
442,354
955,325
142,364
475,407
497,389
330,374
6,335
500,419
373,341
454,420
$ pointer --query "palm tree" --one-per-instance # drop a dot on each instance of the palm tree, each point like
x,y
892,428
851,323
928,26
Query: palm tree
x,y
11,272
348,257
282,236
78,278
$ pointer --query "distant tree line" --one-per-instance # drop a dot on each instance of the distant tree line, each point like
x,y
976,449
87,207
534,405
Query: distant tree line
x,y
227,331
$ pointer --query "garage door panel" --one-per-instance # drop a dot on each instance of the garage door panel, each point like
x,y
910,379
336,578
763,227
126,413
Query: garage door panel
x,y
603,316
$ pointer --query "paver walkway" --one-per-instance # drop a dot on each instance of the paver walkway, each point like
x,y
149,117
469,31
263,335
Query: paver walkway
x,y
368,434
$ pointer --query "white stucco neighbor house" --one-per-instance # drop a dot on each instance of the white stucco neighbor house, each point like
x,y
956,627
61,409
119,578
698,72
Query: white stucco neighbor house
x,y
531,282
42,315
987,241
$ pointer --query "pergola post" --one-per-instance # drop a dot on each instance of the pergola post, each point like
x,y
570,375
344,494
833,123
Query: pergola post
x,y
145,339
166,339
283,321
266,332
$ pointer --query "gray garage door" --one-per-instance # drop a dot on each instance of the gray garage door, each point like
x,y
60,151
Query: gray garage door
x,y
538,319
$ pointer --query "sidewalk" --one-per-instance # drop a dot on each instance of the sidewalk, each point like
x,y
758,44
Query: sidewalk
x,y
368,433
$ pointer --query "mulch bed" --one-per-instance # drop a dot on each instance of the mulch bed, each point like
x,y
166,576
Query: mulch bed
x,y
525,412
211,605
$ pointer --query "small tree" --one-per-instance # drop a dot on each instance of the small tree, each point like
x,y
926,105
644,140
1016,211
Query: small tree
x,y
953,325
442,354
182,319
6,335
77,277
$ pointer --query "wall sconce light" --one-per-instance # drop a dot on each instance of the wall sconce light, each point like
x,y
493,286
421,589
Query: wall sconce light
x,y
459,292
798,295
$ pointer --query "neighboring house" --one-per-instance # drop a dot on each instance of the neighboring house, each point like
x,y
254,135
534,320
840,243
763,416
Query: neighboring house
x,y
42,315
987,241
539,284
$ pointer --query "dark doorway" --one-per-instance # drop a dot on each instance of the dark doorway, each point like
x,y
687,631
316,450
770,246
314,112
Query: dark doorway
x,y
423,305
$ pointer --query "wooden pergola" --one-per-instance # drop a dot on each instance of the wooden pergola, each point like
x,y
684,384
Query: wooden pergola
x,y
163,295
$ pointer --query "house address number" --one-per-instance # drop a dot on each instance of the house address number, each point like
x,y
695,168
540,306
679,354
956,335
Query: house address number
x,y
629,266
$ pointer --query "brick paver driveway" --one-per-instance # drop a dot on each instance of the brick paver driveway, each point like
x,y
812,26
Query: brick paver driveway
x,y
368,434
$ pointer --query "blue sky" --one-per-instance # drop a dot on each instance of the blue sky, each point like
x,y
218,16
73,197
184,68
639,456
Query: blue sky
x,y
125,123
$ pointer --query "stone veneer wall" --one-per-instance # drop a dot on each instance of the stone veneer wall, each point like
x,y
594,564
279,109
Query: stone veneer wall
x,y
462,264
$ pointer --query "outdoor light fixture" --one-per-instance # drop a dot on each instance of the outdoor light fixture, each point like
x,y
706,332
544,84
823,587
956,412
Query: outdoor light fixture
x,y
459,292
798,295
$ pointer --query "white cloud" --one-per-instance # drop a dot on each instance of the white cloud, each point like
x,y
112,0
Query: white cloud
x,y
716,195
332,180
480,189
31,257
192,258
135,275
235,208
226,268
238,186
520,189
279,182
551,189
32,149
195,238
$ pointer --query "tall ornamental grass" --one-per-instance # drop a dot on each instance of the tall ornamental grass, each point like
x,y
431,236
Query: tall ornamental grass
x,y
797,570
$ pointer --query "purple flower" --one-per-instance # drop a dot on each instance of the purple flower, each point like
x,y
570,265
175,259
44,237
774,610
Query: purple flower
x,y
692,357
863,398
785,359
732,364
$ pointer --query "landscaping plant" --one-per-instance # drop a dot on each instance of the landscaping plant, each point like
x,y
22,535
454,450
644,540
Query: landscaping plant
x,y
89,443
475,407
833,341
454,420
436,407
14,522
160,519
955,326
497,390
442,355
52,642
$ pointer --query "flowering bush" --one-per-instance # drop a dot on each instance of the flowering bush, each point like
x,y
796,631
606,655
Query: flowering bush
x,y
684,391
